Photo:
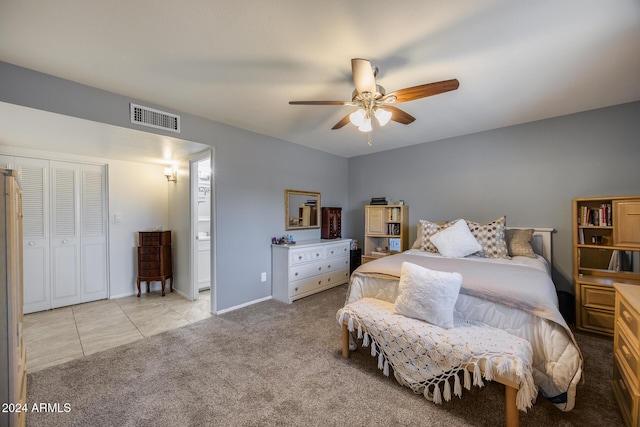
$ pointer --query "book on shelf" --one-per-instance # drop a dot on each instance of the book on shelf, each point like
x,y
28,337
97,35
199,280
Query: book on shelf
x,y
393,229
599,217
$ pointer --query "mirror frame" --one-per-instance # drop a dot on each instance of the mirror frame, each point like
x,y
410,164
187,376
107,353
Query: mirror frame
x,y
287,195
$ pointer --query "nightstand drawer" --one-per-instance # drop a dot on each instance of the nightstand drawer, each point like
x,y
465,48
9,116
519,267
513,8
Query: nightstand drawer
x,y
598,297
598,320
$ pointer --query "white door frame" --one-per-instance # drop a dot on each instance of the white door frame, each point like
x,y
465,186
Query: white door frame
x,y
193,227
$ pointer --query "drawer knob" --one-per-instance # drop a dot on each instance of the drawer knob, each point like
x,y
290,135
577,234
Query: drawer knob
x,y
627,316
319,282
296,289
328,279
626,352
331,252
299,256
296,273
319,268
329,266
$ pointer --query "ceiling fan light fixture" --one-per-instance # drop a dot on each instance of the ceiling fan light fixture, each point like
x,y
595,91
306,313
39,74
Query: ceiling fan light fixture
x,y
383,116
366,125
357,117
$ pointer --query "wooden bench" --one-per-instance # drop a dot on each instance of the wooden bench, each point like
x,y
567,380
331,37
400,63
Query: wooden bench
x,y
512,386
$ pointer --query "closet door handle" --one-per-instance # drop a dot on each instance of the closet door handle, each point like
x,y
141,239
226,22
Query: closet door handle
x,y
65,241
31,243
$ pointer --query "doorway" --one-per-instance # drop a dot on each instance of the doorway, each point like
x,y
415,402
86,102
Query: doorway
x,y
202,203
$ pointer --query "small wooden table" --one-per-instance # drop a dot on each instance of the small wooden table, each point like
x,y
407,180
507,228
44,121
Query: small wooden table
x,y
154,258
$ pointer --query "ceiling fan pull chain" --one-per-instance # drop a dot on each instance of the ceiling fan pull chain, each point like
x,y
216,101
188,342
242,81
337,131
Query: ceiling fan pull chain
x,y
369,138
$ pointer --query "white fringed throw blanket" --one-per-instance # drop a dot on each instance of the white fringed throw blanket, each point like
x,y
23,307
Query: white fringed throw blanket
x,y
426,357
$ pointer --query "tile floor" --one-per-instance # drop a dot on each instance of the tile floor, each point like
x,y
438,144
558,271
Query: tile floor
x,y
63,334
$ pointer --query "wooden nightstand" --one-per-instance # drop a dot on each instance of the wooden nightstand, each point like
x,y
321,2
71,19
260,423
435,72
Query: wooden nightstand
x,y
154,258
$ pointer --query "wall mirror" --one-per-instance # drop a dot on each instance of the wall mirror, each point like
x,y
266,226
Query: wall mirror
x,y
302,209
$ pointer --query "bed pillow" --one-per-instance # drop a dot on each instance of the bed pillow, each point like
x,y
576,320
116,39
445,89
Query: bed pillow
x,y
418,243
519,242
491,238
429,229
427,295
456,241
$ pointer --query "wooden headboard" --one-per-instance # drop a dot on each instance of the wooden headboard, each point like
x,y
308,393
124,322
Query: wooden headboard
x,y
541,241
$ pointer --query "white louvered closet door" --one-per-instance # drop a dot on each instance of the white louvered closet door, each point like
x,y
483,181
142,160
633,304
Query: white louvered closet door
x,y
34,181
94,277
65,234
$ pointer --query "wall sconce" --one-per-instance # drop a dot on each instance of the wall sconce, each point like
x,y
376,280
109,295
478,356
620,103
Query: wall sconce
x,y
171,175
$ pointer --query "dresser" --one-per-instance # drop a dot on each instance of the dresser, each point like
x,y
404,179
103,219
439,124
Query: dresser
x,y
13,370
154,258
626,352
308,267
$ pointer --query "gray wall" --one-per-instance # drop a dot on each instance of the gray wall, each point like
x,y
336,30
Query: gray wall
x,y
529,172
251,173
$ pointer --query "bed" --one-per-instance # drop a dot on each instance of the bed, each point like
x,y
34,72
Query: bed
x,y
509,293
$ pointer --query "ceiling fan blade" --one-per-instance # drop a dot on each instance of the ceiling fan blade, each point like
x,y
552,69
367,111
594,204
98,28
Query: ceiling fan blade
x,y
422,91
397,115
342,122
363,76
318,102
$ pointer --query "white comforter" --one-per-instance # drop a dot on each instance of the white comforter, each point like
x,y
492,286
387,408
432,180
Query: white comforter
x,y
516,295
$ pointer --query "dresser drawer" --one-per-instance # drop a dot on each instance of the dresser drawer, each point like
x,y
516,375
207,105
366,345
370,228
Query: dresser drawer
x,y
148,250
629,318
303,271
306,285
299,256
627,354
155,272
338,250
335,264
625,396
337,277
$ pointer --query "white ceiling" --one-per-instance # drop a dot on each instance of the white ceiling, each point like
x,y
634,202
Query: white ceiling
x,y
240,62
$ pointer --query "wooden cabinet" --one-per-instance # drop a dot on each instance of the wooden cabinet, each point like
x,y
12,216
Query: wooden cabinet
x,y
626,352
606,249
386,230
331,223
13,369
309,267
154,258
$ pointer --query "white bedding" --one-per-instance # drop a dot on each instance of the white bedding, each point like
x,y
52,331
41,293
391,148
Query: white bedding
x,y
521,300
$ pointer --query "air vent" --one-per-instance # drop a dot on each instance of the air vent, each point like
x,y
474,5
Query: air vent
x,y
146,116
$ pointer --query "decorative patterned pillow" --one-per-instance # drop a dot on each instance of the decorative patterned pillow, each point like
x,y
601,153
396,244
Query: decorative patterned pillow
x,y
427,294
491,237
429,229
519,242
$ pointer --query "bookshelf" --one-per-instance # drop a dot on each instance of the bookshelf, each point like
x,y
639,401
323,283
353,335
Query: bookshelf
x,y
386,227
606,250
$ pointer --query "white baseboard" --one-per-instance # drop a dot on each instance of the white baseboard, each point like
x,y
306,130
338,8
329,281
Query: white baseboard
x,y
226,310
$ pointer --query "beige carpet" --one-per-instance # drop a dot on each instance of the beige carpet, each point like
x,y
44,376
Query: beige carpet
x,y
274,364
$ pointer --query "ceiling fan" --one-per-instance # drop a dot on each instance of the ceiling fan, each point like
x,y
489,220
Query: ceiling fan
x,y
372,101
